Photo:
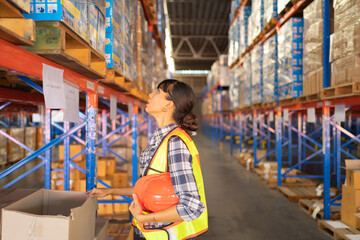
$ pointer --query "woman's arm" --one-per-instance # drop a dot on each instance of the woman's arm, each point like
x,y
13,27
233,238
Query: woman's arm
x,y
102,192
168,215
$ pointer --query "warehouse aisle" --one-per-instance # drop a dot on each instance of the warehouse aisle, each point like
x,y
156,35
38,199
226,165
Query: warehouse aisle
x,y
242,207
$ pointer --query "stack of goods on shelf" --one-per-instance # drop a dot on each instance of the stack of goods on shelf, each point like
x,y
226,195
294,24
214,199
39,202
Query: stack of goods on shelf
x,y
313,48
234,6
144,50
220,73
256,19
30,139
161,20
269,62
15,152
290,57
281,4
3,149
221,101
234,89
245,83
345,43
243,29
206,107
350,202
257,74
270,14
234,40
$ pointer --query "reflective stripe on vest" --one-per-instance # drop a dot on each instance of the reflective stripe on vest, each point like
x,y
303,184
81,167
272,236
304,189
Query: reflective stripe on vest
x,y
179,230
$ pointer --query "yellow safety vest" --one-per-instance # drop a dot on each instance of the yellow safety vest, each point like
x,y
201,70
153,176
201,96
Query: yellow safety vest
x,y
178,230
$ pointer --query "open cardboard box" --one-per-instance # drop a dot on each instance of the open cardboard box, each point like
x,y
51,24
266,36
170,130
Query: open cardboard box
x,y
352,168
50,214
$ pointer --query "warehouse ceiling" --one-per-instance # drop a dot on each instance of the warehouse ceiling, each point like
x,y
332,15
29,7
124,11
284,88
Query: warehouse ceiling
x,y
199,32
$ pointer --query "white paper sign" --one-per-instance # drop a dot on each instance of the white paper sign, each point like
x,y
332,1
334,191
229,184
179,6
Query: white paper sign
x,y
130,109
271,116
36,118
286,115
71,110
311,118
340,112
113,107
53,86
336,224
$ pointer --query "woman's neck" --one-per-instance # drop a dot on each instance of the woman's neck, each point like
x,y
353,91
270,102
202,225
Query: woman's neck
x,y
164,121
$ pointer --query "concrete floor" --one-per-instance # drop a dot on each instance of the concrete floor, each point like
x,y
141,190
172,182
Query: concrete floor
x,y
242,207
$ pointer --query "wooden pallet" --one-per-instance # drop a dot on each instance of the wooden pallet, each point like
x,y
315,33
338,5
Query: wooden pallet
x,y
345,232
116,80
120,231
7,10
290,101
18,31
345,90
308,206
58,43
295,193
268,105
310,98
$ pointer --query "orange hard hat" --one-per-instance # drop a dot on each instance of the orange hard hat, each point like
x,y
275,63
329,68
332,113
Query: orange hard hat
x,y
156,192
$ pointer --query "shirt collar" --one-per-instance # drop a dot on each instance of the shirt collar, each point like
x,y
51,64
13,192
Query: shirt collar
x,y
160,133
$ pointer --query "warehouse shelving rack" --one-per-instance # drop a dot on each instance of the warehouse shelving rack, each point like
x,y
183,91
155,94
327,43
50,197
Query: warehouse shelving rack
x,y
324,142
16,59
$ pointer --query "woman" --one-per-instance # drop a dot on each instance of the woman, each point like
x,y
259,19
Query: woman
x,y
171,105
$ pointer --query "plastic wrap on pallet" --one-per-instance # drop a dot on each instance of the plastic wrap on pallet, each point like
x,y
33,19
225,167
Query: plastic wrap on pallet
x,y
234,90
269,61
270,7
290,56
3,149
222,100
224,75
15,152
345,70
346,12
231,52
73,13
96,9
234,6
244,22
281,4
30,139
257,74
256,19
245,83
313,46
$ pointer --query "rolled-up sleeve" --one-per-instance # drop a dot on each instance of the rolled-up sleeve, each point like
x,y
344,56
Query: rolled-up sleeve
x,y
190,206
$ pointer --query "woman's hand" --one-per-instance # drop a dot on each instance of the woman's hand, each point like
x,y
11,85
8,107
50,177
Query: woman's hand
x,y
99,192
136,209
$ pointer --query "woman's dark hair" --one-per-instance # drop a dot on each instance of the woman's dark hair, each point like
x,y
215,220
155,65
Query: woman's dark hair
x,y
184,100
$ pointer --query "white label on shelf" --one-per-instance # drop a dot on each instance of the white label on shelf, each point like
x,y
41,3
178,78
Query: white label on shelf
x,y
271,116
71,110
130,109
319,104
311,118
53,85
113,107
90,85
101,89
340,112
286,115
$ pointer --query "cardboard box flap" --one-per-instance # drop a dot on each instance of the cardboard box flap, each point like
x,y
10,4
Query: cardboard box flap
x,y
351,164
59,202
86,211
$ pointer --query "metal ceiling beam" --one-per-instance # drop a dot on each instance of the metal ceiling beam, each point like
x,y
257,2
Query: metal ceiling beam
x,y
196,22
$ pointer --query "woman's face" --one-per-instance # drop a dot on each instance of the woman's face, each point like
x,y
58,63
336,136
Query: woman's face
x,y
157,102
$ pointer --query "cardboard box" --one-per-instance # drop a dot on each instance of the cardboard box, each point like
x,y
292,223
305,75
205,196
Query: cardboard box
x,y
101,168
3,149
350,204
48,214
353,173
101,227
120,208
74,149
120,179
105,208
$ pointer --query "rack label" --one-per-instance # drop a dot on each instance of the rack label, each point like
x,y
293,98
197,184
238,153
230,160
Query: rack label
x,y
90,85
101,89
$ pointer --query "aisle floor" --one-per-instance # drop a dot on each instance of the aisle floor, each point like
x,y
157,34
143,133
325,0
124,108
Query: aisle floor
x,y
242,207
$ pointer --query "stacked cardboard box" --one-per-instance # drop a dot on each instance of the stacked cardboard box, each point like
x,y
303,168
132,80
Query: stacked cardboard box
x,y
345,43
245,83
350,203
244,21
15,152
257,74
30,139
290,58
234,89
269,61
313,48
256,19
3,149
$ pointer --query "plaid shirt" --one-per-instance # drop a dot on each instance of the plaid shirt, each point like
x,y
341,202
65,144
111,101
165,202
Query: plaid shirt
x,y
180,167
